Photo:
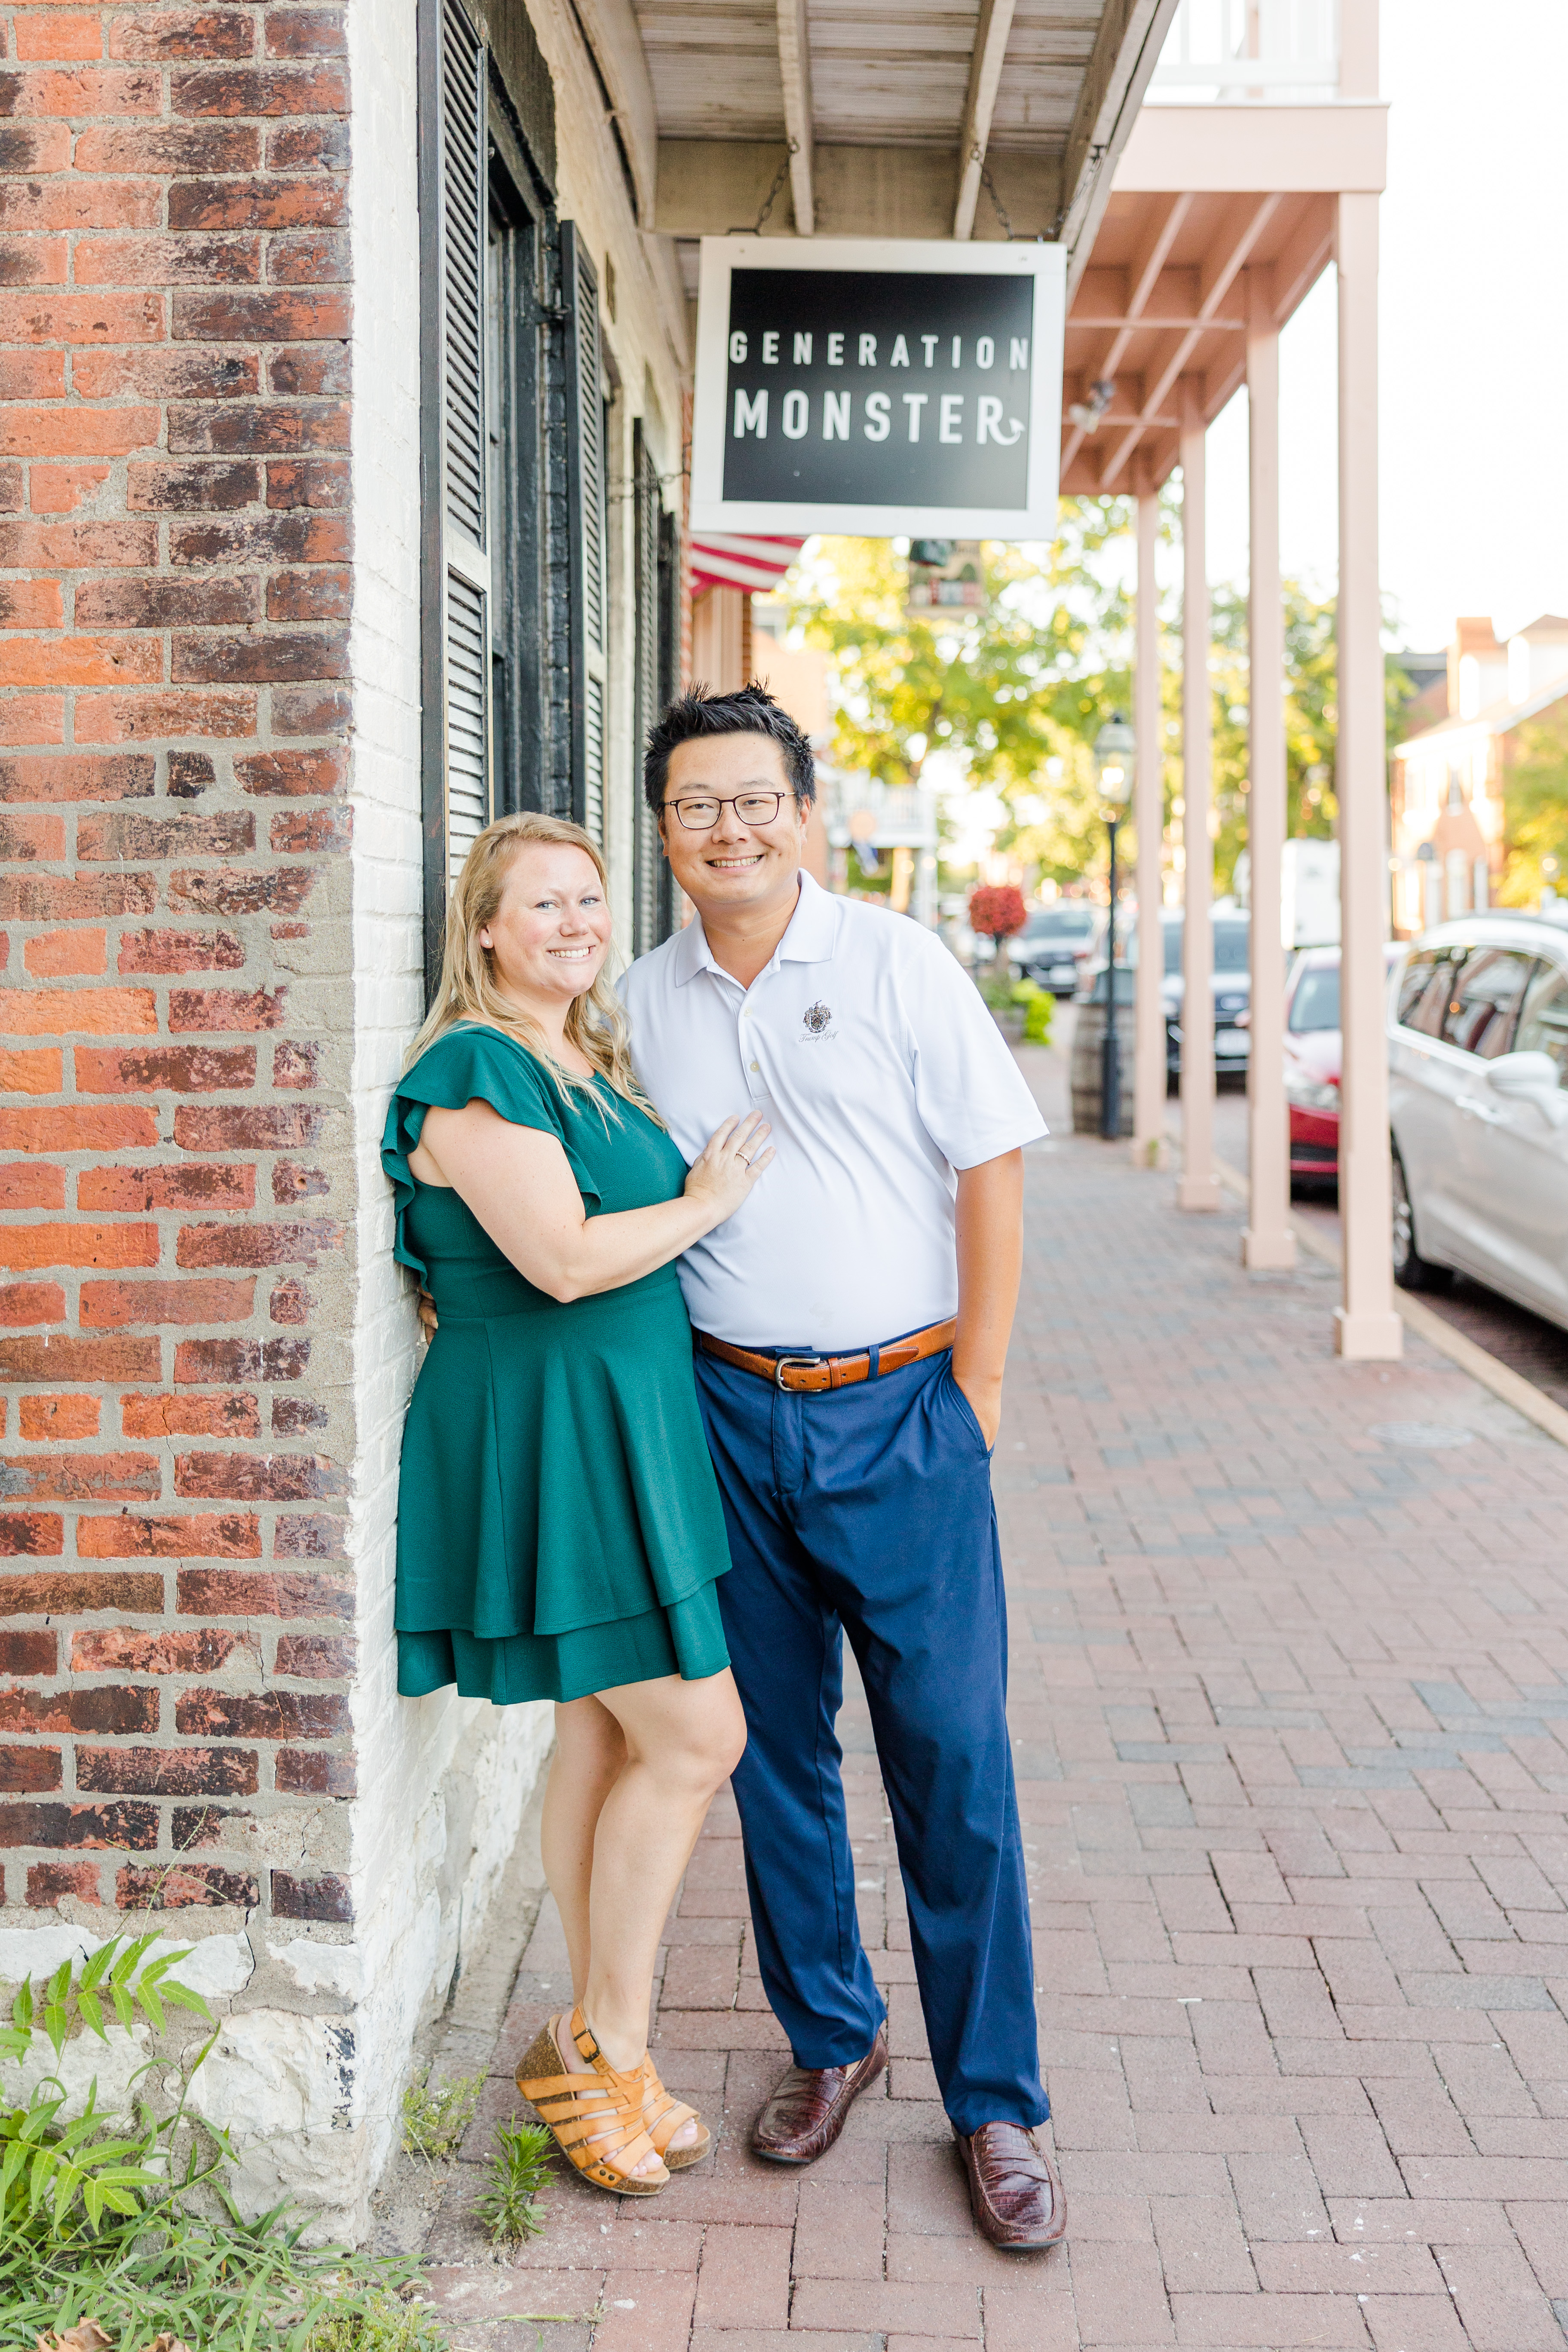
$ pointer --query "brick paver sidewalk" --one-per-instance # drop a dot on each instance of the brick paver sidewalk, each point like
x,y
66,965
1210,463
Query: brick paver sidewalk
x,y
1289,1694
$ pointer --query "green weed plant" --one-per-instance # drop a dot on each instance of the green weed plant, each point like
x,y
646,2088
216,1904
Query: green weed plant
x,y
434,2121
121,2228
510,2210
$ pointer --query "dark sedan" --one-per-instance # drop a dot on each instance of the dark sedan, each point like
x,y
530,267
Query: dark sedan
x,y
1055,944
1232,984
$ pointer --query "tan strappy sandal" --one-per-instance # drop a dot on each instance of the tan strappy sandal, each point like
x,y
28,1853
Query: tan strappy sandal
x,y
662,2118
597,2114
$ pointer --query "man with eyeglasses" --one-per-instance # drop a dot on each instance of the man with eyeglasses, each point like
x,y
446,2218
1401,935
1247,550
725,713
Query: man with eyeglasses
x,y
852,1322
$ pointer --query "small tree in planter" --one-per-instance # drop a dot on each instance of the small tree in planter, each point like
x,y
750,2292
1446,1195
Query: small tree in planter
x,y
997,911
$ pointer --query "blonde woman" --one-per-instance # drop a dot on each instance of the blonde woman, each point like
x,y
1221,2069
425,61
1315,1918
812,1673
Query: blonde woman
x,y
558,1527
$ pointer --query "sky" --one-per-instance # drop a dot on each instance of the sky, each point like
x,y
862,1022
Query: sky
x,y
1474,336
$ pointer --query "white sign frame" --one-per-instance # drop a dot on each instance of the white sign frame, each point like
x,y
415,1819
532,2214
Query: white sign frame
x,y
1045,264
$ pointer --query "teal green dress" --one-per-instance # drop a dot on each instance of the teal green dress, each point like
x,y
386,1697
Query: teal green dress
x,y
559,1526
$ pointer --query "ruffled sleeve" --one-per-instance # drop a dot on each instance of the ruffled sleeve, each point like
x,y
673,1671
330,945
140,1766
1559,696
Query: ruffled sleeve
x,y
463,1067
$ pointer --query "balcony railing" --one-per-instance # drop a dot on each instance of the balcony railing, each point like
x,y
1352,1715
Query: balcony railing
x,y
1259,50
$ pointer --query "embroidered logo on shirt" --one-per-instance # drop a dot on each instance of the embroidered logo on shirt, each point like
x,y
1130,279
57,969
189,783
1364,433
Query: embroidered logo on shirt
x,y
816,1017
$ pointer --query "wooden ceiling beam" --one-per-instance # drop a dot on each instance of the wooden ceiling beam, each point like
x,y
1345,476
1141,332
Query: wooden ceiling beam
x,y
795,71
984,78
1142,276
1216,275
1303,259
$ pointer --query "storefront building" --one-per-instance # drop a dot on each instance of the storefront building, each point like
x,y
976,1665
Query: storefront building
x,y
345,355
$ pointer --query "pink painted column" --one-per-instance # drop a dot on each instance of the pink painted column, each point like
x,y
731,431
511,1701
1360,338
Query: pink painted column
x,y
1149,823
1197,1187
1269,1241
1367,1326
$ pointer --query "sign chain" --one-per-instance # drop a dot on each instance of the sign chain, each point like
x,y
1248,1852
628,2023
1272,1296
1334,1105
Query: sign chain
x,y
990,186
771,197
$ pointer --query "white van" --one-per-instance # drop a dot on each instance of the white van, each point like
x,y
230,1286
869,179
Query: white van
x,y
1477,1052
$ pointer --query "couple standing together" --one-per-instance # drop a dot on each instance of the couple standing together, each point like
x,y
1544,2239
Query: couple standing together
x,y
798,1142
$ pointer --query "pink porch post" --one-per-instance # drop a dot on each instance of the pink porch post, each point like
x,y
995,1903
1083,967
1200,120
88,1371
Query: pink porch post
x,y
1366,1324
1269,1242
1149,816
1198,1187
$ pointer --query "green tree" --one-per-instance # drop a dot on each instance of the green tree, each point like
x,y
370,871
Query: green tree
x,y
1022,688
1017,688
1535,804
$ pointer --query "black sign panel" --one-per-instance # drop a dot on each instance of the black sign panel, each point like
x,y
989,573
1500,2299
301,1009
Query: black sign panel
x,y
880,388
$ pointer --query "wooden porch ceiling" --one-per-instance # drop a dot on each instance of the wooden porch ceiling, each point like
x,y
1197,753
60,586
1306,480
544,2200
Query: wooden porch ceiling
x,y
1163,296
887,116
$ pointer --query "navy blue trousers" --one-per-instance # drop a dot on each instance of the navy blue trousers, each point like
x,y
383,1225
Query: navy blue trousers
x,y
869,1511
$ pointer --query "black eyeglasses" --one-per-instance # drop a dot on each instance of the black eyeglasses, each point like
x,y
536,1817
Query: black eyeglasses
x,y
752,808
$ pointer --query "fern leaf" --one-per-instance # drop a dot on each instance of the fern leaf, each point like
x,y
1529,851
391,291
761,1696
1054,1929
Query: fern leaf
x,y
40,2169
15,2157
126,1964
180,1996
92,1975
68,2181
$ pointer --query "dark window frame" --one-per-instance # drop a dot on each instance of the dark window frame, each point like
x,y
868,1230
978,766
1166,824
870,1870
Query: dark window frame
x,y
524,498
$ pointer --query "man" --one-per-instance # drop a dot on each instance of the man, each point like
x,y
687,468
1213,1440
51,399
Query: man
x,y
852,1322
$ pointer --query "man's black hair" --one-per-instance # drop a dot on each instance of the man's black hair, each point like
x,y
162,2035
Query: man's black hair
x,y
750,710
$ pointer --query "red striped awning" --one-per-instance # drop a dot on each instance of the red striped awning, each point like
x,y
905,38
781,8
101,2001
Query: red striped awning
x,y
721,560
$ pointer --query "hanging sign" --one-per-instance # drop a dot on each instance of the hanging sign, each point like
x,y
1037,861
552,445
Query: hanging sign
x,y
878,385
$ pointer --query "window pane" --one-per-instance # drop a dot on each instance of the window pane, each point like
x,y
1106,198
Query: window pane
x,y
1231,946
1414,982
1428,1015
1544,1019
1481,1006
1315,1002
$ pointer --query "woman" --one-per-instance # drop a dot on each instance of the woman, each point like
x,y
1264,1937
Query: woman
x,y
558,1527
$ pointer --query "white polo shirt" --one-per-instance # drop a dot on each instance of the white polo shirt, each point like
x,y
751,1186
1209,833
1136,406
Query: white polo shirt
x,y
871,1053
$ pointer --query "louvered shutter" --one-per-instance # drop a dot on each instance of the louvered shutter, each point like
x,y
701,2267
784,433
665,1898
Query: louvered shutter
x,y
646,861
454,213
670,618
586,474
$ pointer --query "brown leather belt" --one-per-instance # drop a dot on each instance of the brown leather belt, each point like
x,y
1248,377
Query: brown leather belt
x,y
816,1375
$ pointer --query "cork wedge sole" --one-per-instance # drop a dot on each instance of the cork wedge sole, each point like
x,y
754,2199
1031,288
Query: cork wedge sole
x,y
662,2118
591,2115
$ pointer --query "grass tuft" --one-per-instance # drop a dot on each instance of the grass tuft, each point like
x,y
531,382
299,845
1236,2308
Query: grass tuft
x,y
434,2120
509,2211
166,2278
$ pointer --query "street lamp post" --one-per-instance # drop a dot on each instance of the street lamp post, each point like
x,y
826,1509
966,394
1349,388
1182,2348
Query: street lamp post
x,y
1115,750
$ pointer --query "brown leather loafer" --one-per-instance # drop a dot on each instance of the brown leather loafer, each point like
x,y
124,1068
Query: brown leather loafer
x,y
811,2106
1014,2191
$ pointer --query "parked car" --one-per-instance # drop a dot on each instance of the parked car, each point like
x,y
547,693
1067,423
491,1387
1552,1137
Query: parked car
x,y
1057,944
1477,1032
1312,1057
1231,981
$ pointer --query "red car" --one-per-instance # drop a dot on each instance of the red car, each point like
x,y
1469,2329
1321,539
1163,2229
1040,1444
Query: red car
x,y
1312,1062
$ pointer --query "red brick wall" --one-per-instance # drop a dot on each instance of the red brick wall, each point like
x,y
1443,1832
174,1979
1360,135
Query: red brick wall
x,y
175,586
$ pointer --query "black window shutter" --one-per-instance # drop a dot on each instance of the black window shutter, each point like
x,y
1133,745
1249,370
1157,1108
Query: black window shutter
x,y
453,177
670,612
586,498
646,859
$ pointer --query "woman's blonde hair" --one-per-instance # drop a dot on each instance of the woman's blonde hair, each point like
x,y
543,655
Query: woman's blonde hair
x,y
467,989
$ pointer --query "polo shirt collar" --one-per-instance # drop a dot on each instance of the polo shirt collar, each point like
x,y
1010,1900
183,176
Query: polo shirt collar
x,y
810,938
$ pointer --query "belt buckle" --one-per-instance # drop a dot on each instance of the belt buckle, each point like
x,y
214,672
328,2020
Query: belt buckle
x,y
780,1362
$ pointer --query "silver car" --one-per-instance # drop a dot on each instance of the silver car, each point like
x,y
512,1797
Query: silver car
x,y
1478,1044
